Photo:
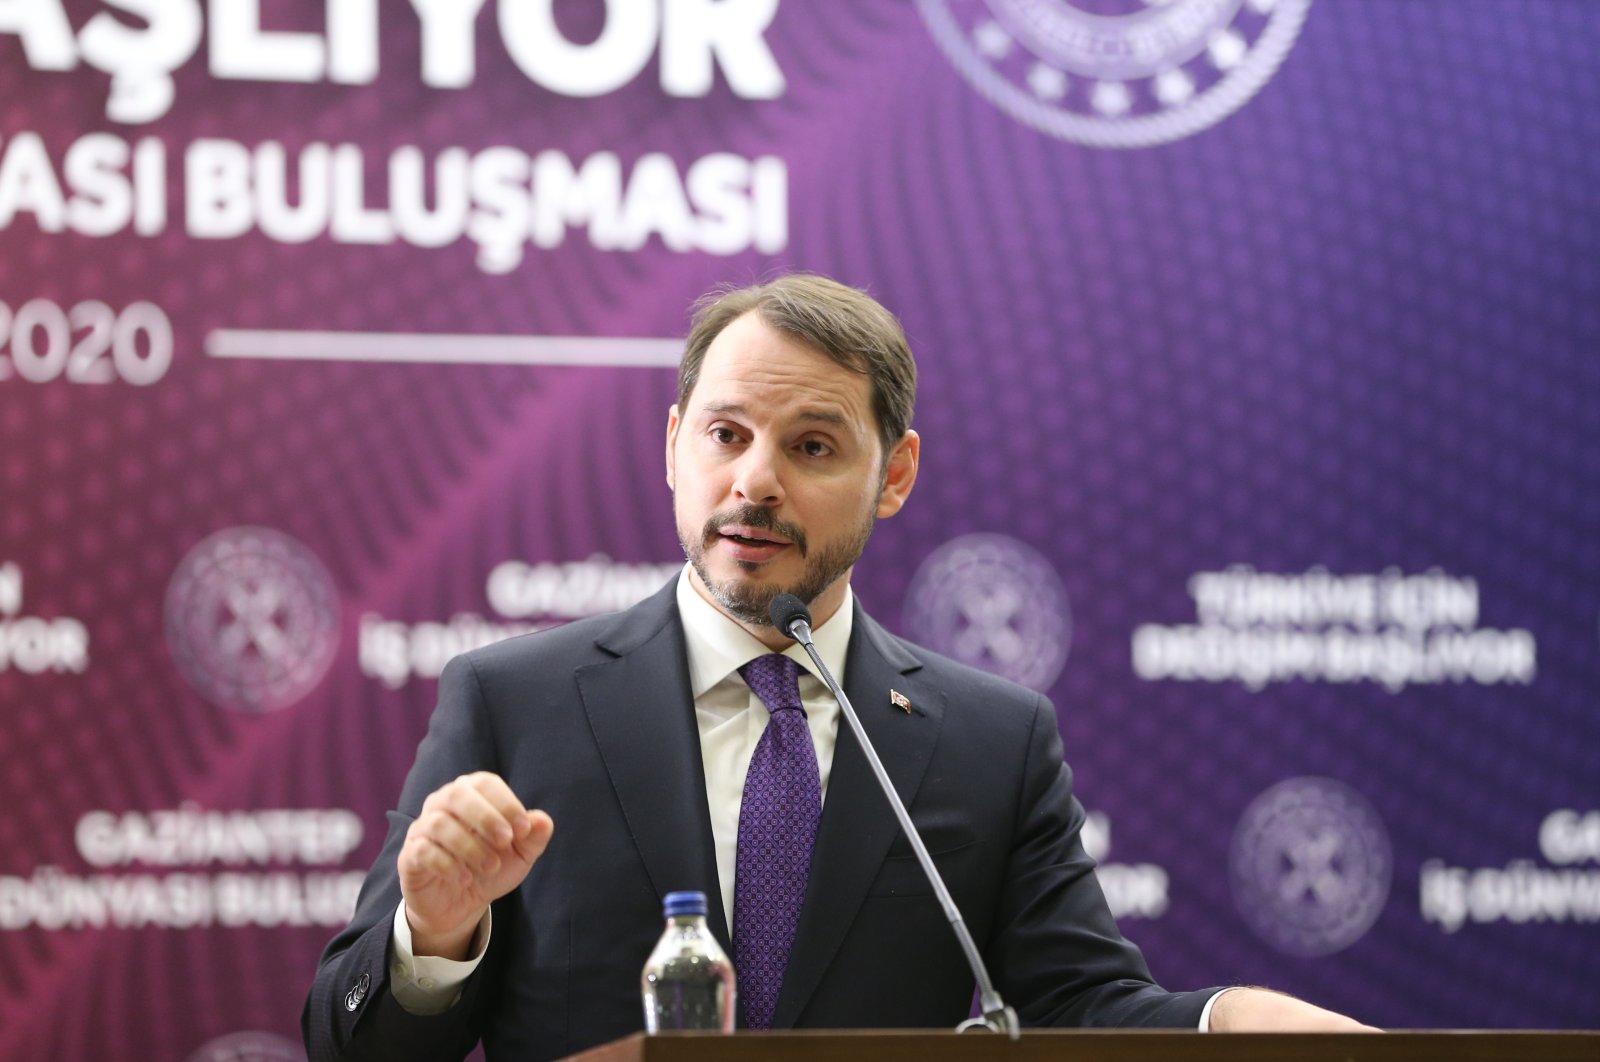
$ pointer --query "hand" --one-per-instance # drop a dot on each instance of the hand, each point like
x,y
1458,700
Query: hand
x,y
473,843
1262,1010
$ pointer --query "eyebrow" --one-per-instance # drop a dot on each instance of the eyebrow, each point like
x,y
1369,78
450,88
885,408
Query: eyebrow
x,y
734,409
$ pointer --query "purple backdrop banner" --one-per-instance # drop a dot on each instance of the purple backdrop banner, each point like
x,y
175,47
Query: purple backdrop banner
x,y
1260,395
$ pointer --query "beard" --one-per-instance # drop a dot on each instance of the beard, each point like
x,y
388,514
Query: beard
x,y
750,602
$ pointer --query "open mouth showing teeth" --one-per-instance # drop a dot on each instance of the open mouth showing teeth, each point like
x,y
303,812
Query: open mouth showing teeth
x,y
753,535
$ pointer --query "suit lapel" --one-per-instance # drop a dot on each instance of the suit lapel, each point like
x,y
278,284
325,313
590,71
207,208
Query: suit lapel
x,y
857,824
642,716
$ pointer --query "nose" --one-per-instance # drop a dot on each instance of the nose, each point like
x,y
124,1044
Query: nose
x,y
757,480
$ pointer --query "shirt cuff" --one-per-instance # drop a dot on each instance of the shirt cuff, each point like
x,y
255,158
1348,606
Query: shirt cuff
x,y
1205,1015
429,984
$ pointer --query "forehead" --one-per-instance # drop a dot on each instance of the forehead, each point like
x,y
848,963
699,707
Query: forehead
x,y
757,367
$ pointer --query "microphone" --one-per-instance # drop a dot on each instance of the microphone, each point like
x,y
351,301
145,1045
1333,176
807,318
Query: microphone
x,y
790,615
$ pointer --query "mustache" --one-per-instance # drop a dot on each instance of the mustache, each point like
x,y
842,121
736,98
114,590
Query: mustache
x,y
753,516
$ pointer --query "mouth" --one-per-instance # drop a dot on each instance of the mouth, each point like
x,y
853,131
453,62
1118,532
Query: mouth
x,y
751,545
751,536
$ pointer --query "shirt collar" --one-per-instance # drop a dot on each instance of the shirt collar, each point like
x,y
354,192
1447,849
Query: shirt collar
x,y
718,646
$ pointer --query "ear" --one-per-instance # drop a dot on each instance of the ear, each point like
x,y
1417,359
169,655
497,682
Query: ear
x,y
672,438
901,474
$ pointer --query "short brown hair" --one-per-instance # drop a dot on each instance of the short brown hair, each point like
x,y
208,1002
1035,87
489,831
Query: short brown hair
x,y
842,322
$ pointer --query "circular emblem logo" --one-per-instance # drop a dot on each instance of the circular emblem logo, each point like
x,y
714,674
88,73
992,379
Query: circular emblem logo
x,y
249,1047
995,603
1311,866
252,619
1116,73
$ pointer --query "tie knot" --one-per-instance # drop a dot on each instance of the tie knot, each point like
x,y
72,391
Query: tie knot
x,y
775,678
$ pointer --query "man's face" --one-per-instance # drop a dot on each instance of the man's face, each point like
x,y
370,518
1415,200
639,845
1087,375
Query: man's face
x,y
778,473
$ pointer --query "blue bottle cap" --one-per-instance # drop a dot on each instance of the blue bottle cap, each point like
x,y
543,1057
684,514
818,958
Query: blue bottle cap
x,y
677,904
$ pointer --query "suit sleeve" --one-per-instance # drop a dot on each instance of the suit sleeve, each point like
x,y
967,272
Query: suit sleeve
x,y
351,1013
1057,953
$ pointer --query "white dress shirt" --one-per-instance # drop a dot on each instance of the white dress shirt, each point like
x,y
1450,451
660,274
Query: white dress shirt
x,y
731,718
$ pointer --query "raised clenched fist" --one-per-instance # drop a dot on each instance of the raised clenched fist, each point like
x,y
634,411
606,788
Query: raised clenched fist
x,y
473,843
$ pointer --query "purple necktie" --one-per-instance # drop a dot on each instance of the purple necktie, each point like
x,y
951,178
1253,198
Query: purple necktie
x,y
777,827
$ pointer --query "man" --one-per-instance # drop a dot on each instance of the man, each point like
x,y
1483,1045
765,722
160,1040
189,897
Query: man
x,y
677,751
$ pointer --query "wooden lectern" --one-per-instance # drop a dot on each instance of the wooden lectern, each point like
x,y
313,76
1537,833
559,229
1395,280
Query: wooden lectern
x,y
1040,1045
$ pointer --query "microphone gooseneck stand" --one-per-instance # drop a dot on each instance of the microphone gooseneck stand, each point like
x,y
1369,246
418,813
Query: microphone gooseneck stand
x,y
790,615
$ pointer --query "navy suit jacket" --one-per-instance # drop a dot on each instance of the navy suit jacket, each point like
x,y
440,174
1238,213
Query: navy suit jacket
x,y
594,723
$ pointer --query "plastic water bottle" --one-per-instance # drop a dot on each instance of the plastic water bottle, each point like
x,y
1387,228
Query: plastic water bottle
x,y
688,981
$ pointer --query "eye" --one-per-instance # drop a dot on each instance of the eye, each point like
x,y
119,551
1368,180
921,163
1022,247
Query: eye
x,y
815,448
724,436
